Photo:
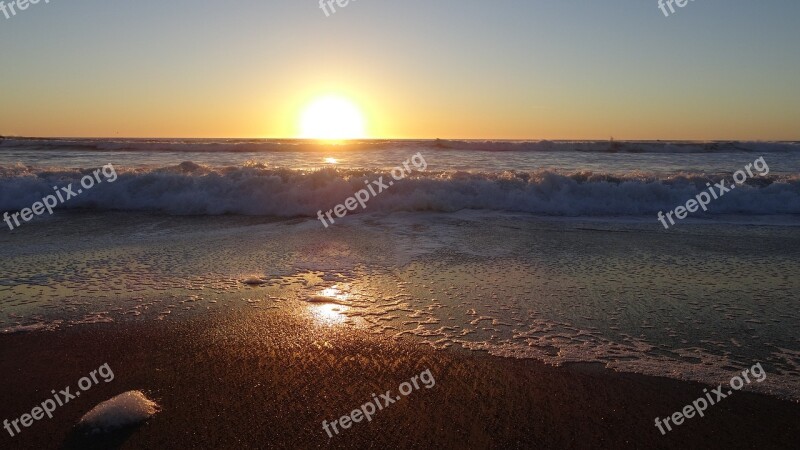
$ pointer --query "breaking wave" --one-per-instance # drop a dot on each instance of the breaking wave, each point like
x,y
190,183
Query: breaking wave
x,y
194,189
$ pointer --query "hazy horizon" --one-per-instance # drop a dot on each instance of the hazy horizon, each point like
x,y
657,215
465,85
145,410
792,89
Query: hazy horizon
x,y
339,141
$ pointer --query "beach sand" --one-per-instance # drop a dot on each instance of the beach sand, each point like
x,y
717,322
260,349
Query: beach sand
x,y
267,379
249,333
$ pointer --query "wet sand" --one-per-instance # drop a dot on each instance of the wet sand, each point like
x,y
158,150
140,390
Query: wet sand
x,y
267,379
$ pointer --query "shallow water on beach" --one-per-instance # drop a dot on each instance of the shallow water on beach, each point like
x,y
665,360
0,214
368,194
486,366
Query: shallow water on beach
x,y
698,302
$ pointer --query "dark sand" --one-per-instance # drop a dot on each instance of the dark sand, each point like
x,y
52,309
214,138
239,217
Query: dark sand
x,y
247,380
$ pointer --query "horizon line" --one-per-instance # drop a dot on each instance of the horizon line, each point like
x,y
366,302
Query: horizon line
x,y
334,141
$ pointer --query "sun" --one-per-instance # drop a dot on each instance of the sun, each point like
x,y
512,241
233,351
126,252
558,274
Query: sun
x,y
332,118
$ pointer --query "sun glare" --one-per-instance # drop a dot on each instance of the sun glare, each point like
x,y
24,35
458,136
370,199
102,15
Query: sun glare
x,y
332,118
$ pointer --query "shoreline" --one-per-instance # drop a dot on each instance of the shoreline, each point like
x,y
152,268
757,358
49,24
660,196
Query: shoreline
x,y
260,379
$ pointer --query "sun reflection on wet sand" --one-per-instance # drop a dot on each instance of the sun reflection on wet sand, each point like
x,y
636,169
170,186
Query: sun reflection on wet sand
x,y
329,305
329,314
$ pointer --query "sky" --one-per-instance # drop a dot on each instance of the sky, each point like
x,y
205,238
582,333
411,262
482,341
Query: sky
x,y
503,69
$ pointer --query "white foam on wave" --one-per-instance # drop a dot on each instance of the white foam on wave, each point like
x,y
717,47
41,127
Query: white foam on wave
x,y
195,189
128,409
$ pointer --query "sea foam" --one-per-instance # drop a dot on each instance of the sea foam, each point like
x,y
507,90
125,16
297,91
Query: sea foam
x,y
196,189
124,410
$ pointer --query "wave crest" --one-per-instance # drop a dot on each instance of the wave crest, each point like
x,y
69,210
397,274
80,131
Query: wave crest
x,y
196,189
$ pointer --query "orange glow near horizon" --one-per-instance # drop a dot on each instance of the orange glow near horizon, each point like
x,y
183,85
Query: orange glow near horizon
x,y
282,70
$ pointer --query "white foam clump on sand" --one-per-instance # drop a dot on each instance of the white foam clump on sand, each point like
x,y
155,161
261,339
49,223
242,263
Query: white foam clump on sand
x,y
29,328
130,408
254,281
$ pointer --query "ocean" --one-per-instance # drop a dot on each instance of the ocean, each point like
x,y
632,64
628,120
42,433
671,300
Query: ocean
x,y
549,250
284,178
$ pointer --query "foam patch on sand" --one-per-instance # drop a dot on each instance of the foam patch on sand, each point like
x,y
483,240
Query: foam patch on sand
x,y
31,328
254,281
124,410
